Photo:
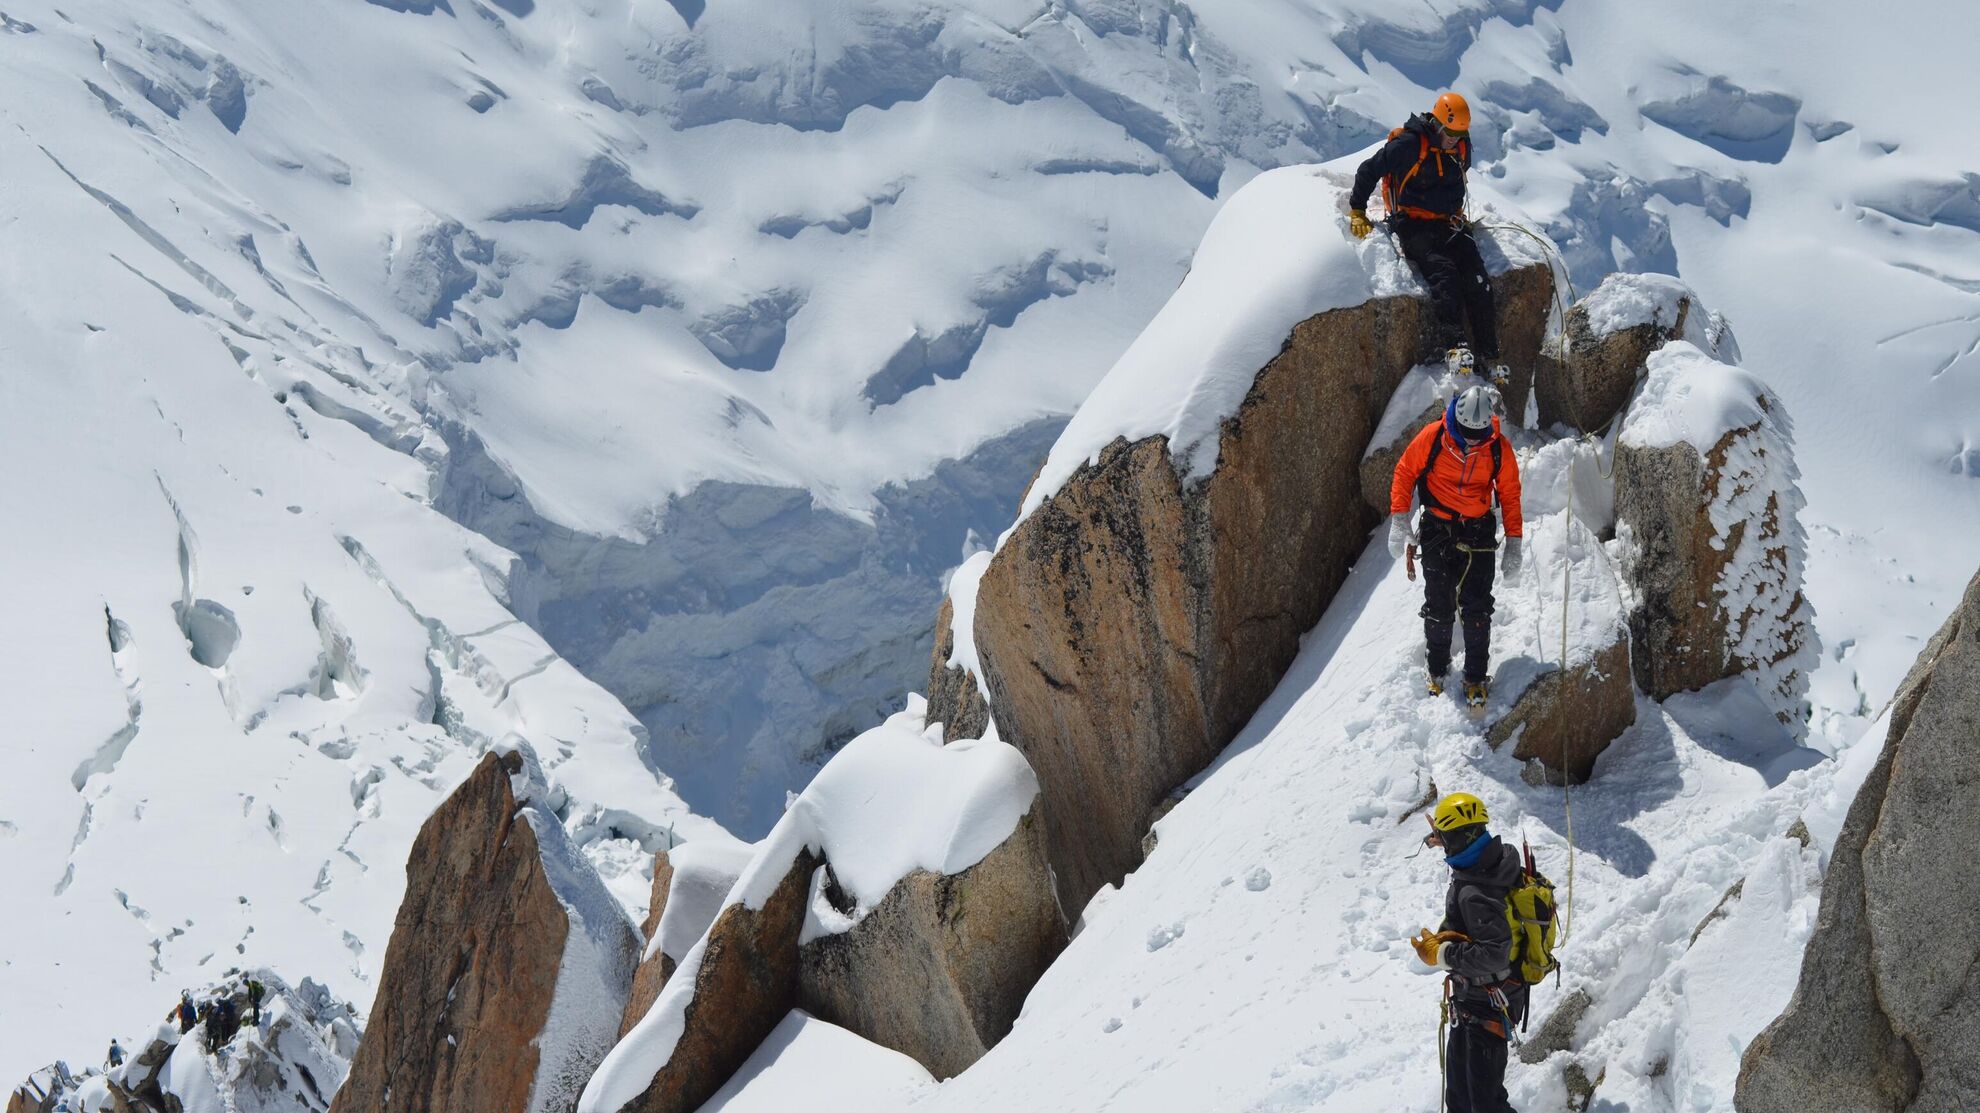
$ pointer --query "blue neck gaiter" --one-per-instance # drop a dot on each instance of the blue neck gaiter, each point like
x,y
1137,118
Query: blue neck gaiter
x,y
1468,857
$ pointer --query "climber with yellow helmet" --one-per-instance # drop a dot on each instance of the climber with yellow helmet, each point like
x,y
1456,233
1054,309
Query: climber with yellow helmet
x,y
1421,169
1474,946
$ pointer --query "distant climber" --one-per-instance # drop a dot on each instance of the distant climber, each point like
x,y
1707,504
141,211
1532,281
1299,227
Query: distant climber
x,y
1456,467
255,991
1422,169
116,1055
1473,946
188,1013
222,1021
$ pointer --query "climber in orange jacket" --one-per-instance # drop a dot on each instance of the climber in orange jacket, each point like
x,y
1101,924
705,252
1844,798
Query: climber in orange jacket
x,y
1456,467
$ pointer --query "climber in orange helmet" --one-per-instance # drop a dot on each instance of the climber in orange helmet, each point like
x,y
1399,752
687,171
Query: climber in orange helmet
x,y
1421,169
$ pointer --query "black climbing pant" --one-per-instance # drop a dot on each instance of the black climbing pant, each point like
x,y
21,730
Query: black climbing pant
x,y
1457,581
1448,260
1475,1070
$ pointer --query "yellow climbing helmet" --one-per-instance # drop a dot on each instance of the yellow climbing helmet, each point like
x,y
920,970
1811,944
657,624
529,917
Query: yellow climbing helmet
x,y
1459,809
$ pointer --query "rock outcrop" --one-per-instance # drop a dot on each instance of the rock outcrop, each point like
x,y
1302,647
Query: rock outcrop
x,y
289,1059
955,696
1418,399
656,965
1708,508
744,980
1887,1011
509,964
905,894
1565,718
691,885
940,968
1133,621
1609,334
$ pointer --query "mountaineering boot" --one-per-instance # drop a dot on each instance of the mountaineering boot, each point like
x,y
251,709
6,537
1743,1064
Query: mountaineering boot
x,y
1500,374
1475,693
1436,684
1458,360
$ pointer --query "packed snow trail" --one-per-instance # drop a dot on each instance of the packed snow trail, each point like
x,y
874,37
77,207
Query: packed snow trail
x,y
1258,960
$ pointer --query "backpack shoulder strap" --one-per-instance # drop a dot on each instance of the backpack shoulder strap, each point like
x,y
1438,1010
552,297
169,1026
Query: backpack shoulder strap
x,y
1423,494
1392,186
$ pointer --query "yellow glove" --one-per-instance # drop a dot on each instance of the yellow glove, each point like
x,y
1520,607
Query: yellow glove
x,y
1358,223
1430,945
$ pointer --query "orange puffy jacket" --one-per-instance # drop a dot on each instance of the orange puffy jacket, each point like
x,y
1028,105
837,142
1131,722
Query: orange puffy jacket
x,y
1458,480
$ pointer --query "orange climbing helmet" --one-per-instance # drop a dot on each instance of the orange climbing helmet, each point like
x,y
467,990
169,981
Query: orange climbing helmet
x,y
1452,112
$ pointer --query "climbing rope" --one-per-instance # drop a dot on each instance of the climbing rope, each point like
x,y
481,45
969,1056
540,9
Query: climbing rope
x,y
1557,269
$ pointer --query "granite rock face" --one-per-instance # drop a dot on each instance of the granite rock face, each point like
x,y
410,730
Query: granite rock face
x,y
1130,625
656,967
1887,1013
955,698
940,968
1715,545
507,973
1566,718
744,982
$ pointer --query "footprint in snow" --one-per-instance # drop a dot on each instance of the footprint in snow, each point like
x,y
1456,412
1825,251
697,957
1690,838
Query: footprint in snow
x,y
1258,880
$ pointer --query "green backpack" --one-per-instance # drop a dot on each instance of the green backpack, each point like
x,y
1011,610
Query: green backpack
x,y
1530,912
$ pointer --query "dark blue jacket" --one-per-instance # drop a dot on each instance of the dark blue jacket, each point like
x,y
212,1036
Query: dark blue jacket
x,y
1437,186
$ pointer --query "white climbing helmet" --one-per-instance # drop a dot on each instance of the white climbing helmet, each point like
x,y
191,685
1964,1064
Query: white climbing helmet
x,y
1473,409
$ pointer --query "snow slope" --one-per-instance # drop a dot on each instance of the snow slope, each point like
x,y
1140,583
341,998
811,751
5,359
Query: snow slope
x,y
542,267
1258,960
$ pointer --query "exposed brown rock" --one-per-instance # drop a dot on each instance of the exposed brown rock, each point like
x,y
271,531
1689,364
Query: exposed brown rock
x,y
939,969
1595,382
954,698
1566,724
746,981
1887,1012
1684,637
1378,469
473,964
1129,628
653,972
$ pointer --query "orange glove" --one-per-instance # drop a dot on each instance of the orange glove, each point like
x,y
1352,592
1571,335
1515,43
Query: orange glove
x,y
1358,223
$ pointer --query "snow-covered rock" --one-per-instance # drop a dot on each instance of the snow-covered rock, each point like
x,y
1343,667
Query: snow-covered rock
x,y
1562,691
896,806
510,963
939,969
1202,507
1585,380
1887,1013
956,697
691,883
1709,508
289,1057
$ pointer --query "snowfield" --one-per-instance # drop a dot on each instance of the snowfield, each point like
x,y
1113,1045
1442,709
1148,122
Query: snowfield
x,y
384,379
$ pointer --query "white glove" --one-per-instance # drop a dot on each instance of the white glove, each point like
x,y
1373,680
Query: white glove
x,y
1510,562
1399,534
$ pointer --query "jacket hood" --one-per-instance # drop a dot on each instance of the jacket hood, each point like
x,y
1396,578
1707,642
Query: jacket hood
x,y
1498,867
